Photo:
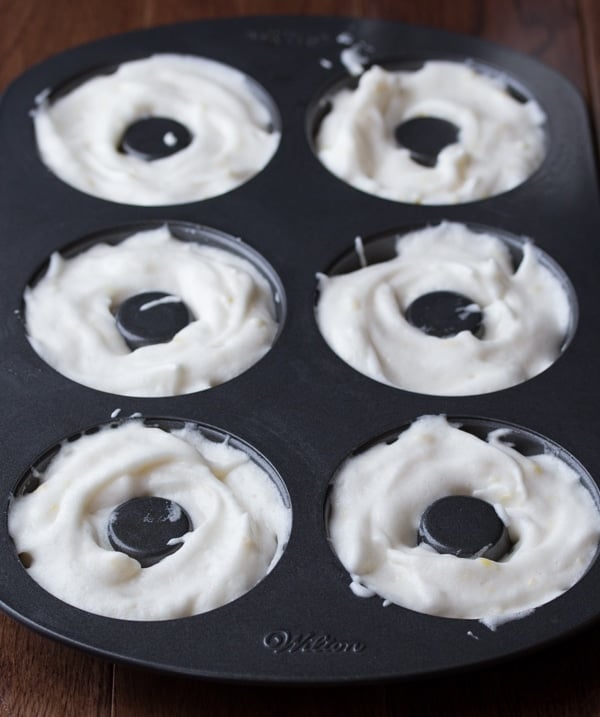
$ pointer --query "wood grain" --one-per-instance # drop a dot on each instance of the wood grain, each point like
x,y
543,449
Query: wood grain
x,y
547,29
590,34
39,677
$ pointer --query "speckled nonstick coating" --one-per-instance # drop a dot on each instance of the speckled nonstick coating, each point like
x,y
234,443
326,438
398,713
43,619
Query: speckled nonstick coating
x,y
301,407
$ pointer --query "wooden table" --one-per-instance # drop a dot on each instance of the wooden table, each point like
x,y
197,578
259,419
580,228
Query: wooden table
x,y
39,677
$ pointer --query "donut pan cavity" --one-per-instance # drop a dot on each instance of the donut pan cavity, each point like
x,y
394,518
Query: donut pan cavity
x,y
300,407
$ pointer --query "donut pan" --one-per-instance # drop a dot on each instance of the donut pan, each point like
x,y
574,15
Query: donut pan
x,y
301,407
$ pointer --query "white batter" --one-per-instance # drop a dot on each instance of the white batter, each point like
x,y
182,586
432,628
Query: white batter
x,y
379,497
78,136
70,321
526,314
500,141
240,523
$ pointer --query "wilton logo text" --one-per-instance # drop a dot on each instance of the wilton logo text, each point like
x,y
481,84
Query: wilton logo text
x,y
284,641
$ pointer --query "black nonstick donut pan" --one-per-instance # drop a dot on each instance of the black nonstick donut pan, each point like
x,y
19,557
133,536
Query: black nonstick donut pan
x,y
301,407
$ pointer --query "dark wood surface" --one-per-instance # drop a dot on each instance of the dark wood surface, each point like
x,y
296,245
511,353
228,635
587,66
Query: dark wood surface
x,y
39,677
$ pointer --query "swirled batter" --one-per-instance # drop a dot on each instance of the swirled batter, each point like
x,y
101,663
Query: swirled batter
x,y
526,314
79,134
500,140
71,323
240,524
379,496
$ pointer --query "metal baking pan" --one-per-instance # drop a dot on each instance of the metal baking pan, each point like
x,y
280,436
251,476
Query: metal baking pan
x,y
301,407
